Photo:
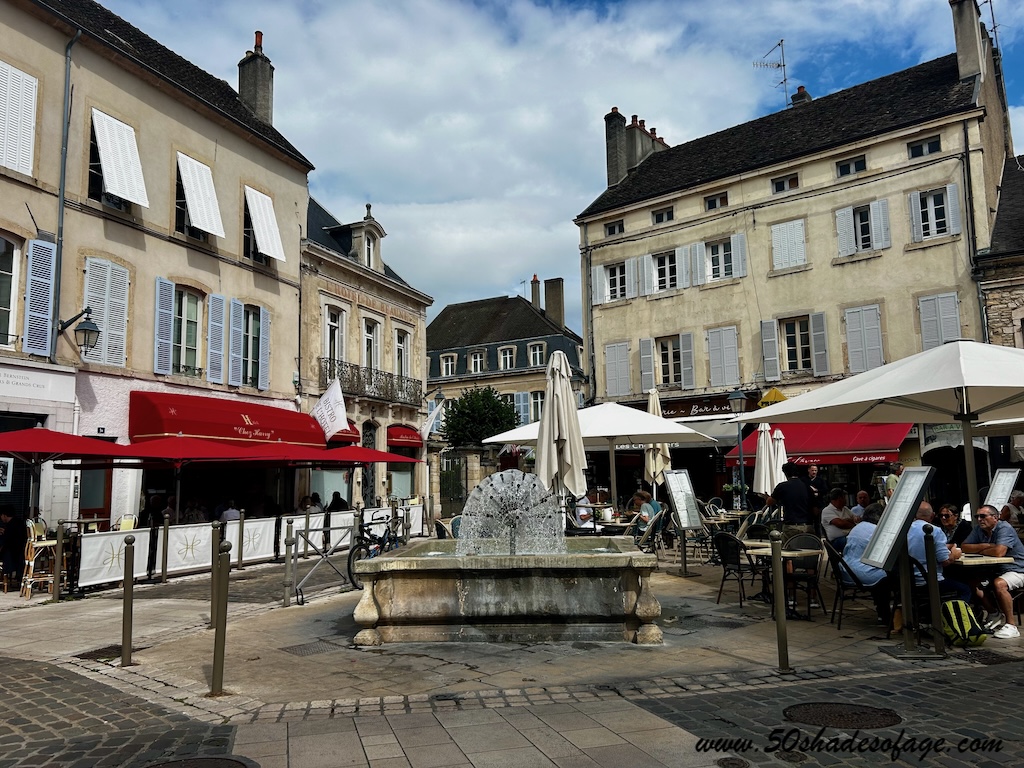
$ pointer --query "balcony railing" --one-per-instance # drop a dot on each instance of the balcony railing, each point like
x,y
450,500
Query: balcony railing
x,y
368,382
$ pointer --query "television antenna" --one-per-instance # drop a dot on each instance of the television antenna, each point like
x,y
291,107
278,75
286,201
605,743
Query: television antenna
x,y
776,64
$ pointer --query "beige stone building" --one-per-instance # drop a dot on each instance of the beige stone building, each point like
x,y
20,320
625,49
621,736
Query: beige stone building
x,y
800,247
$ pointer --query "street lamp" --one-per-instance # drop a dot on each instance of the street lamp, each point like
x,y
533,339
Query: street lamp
x,y
87,333
738,404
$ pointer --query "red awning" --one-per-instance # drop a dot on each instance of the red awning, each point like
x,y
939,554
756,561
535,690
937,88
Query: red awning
x,y
349,435
159,414
402,436
38,444
831,443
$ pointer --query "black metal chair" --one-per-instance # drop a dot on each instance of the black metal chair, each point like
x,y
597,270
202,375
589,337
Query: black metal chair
x,y
804,572
848,586
735,562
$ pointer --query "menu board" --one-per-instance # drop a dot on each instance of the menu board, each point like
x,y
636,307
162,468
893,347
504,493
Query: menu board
x,y
684,502
890,535
1002,486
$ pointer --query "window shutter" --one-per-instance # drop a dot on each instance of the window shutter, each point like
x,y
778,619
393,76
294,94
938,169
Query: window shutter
x,y
236,320
698,264
38,334
739,254
119,159
646,269
215,340
819,344
880,237
770,350
264,224
598,285
855,340
949,316
623,386
264,379
686,360
631,278
931,336
845,231
616,369
953,209
716,357
163,336
730,356
916,227
97,275
780,255
116,351
872,319
683,266
18,91
522,401
646,364
200,195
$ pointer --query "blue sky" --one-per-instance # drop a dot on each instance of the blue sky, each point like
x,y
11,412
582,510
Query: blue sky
x,y
476,128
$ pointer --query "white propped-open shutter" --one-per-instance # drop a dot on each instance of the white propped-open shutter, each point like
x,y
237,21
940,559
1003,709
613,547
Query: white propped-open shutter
x,y
163,336
38,334
731,356
683,266
264,379
264,224
646,269
698,264
949,317
522,402
739,254
780,254
116,347
215,340
598,285
119,158
631,278
819,344
845,232
855,349
880,236
236,324
686,360
97,276
916,227
622,370
716,357
953,208
200,195
770,350
646,364
872,318
931,336
18,92
611,369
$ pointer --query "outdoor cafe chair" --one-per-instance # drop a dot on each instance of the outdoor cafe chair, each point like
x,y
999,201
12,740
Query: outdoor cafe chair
x,y
38,570
442,530
455,524
716,502
647,539
735,561
804,573
126,522
756,532
848,586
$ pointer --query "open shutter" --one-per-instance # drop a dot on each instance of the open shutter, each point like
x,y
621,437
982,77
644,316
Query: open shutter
x,y
200,195
264,378
236,320
622,382
163,337
739,254
698,264
646,364
916,227
880,237
770,350
872,320
598,285
931,336
522,402
716,357
686,360
119,158
215,340
845,232
949,317
730,356
631,278
683,266
116,348
18,92
646,274
264,224
855,353
38,334
819,344
953,208
97,275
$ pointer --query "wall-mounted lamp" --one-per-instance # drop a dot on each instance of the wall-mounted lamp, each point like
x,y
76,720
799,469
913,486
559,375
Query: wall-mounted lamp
x,y
87,333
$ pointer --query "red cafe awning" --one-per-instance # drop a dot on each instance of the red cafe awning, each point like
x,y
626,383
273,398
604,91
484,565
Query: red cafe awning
x,y
831,443
402,436
348,435
160,414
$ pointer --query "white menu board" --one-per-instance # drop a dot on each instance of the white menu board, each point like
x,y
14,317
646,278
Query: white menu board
x,y
1002,486
684,502
890,535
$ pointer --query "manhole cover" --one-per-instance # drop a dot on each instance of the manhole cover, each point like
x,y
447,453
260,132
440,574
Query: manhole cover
x,y
732,762
791,757
849,716
106,653
988,658
312,649
204,762
446,697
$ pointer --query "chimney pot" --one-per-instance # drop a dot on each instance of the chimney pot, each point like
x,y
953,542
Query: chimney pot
x,y
615,110
642,125
535,292
259,40
633,121
654,133
554,301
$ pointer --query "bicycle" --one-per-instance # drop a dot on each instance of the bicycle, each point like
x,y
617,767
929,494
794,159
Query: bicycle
x,y
368,545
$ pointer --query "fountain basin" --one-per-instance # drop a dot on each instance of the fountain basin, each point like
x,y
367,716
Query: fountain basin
x,y
598,590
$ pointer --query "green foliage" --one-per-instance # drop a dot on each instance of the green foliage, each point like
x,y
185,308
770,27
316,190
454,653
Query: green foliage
x,y
478,414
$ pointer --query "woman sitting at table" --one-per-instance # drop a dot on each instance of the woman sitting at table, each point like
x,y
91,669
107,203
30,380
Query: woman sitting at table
x,y
648,508
953,526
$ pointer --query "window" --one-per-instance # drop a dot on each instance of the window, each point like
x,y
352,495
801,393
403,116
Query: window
x,y
863,228
720,266
720,260
796,343
863,338
448,365
476,362
196,212
616,369
251,333
182,221
924,147
716,201
507,358
401,353
851,165
660,217
723,357
669,365
96,186
371,344
785,183
368,250
18,125
185,356
788,246
613,228
536,405
616,274
665,271
934,213
249,344
522,404
666,361
334,335
8,283
115,170
940,319
261,233
106,293
249,248
536,354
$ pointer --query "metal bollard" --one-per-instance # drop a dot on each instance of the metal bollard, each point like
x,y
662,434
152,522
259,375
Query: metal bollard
x,y
214,563
241,539
126,604
933,590
58,562
166,540
305,538
407,526
221,630
779,586
289,545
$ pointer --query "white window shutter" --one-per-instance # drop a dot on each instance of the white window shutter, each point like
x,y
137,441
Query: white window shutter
x,y
646,269
116,348
880,237
716,358
739,254
949,316
200,195
598,285
215,340
855,347
872,318
522,402
698,264
236,319
845,232
119,158
97,275
770,350
264,379
780,254
631,278
683,266
622,370
686,360
731,356
611,362
953,208
819,344
38,334
264,224
18,93
646,364
163,336
916,227
798,245
931,336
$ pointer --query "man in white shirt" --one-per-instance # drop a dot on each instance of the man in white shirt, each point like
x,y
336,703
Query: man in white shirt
x,y
231,513
863,500
837,519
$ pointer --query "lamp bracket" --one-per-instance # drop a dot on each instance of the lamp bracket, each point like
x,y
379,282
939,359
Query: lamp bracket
x,y
65,324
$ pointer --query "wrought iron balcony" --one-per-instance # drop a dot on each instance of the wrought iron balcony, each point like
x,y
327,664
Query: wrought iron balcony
x,y
369,382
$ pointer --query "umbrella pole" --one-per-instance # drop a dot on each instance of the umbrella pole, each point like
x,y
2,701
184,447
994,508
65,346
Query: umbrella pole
x,y
611,471
972,474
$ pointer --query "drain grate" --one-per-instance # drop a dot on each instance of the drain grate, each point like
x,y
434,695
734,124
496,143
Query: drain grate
x,y
446,697
988,658
732,762
850,716
312,649
791,757
106,653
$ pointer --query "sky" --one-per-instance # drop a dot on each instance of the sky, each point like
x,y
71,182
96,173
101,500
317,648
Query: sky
x,y
476,127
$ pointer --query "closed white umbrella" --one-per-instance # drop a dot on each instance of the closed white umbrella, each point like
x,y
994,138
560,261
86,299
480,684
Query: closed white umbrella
x,y
764,461
657,457
561,458
779,456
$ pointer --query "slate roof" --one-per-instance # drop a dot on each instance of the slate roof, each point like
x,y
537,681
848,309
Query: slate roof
x,y
116,33
487,321
339,239
1008,233
921,93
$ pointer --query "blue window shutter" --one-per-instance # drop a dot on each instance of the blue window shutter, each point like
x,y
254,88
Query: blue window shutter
x,y
739,254
264,378
683,266
598,285
646,364
686,360
631,278
163,336
215,340
97,276
916,227
698,264
522,402
880,236
116,348
236,320
931,335
770,350
646,277
953,208
845,232
716,357
819,344
38,334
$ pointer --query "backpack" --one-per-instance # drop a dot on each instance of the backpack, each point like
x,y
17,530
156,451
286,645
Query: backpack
x,y
960,625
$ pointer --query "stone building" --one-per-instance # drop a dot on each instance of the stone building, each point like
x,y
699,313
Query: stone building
x,y
1000,269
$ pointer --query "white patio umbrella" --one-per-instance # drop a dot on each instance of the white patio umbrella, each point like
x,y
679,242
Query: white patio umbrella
x,y
779,456
657,457
561,458
764,461
963,382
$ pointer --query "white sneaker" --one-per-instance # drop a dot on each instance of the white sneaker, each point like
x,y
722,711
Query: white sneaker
x,y
1007,632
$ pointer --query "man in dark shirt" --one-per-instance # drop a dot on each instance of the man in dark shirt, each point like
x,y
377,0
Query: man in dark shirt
x,y
794,498
818,489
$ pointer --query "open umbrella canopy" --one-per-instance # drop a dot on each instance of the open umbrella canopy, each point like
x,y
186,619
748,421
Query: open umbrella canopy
x,y
38,444
657,457
561,458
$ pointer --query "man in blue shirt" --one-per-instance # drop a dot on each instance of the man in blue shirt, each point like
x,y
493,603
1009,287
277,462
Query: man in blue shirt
x,y
875,579
997,538
943,554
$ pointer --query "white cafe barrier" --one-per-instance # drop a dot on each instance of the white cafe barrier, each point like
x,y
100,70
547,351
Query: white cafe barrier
x,y
188,548
102,558
258,535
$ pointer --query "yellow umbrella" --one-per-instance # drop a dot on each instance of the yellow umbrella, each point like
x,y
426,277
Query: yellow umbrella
x,y
771,397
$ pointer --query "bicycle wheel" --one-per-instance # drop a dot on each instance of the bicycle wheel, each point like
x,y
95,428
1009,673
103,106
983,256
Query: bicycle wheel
x,y
357,553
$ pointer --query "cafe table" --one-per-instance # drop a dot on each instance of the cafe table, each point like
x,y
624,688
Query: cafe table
x,y
974,560
787,554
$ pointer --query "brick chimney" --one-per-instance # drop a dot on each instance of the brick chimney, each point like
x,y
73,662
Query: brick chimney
x,y
615,146
256,82
554,300
970,51
800,97
535,292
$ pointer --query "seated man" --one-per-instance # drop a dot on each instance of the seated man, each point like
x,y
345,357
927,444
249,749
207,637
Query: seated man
x,y
875,579
837,519
863,499
997,538
585,510
943,554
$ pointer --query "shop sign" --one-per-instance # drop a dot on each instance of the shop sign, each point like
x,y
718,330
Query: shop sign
x,y
34,384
